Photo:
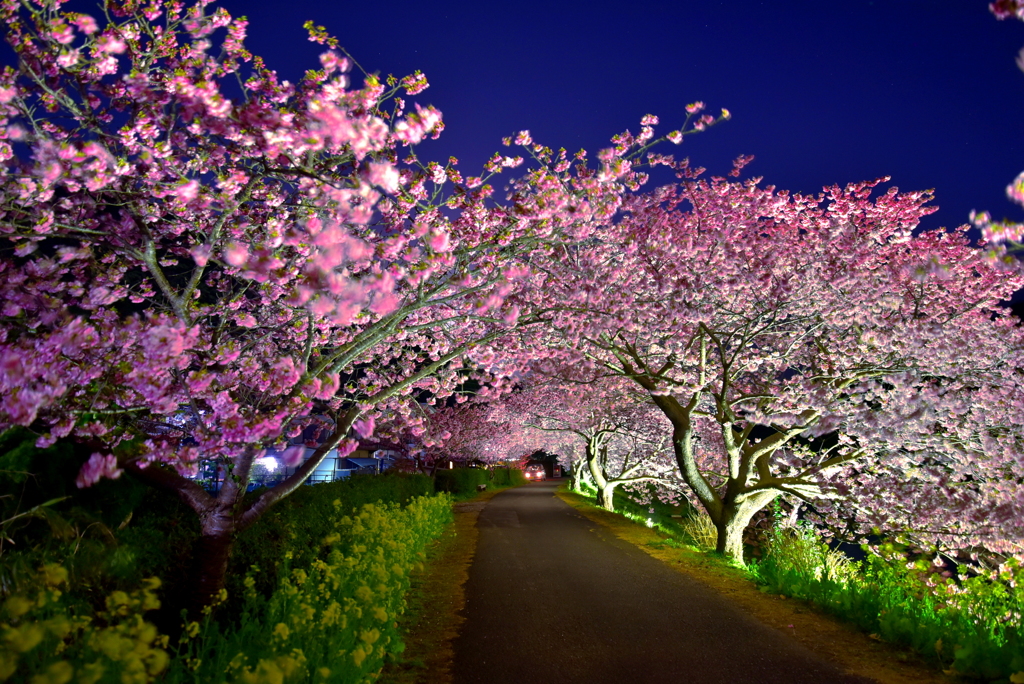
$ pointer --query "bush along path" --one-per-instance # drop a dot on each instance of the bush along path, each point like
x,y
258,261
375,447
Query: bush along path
x,y
331,617
968,624
768,591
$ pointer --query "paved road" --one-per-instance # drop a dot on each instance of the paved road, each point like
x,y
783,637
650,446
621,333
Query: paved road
x,y
553,598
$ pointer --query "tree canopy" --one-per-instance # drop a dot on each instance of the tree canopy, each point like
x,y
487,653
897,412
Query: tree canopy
x,y
199,260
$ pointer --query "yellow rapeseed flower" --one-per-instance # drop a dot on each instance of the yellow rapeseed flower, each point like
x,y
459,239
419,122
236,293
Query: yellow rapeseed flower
x,y
57,673
133,671
58,626
25,638
149,601
110,644
267,672
146,633
91,673
8,664
16,606
157,661
54,575
331,614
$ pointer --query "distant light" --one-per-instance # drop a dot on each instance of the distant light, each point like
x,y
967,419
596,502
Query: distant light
x,y
268,462
450,465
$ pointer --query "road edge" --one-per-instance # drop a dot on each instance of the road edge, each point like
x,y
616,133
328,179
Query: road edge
x,y
436,601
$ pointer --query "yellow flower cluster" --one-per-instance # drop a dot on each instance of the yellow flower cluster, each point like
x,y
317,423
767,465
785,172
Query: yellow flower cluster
x,y
45,641
335,619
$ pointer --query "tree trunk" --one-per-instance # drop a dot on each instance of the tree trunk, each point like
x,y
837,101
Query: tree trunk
x,y
212,553
576,473
594,465
606,496
733,521
220,522
731,525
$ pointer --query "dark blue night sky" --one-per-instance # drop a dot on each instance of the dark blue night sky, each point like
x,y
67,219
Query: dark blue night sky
x,y
821,92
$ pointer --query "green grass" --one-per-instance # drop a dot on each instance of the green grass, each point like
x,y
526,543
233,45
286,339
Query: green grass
x,y
967,625
670,519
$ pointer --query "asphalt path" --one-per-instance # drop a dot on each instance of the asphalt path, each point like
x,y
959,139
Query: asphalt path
x,y
553,598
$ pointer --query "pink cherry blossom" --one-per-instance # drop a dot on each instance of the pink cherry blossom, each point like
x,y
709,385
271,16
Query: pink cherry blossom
x,y
385,175
364,427
98,466
206,257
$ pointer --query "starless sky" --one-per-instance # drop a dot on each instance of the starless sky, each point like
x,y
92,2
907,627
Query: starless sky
x,y
926,92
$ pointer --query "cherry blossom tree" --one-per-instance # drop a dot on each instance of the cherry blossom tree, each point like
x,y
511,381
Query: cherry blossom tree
x,y
1004,238
620,435
809,347
198,259
463,433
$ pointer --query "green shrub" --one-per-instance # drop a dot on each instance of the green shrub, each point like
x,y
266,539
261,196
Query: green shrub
x,y
458,481
971,625
801,550
112,536
641,504
108,537
701,529
298,524
334,620
47,636
507,477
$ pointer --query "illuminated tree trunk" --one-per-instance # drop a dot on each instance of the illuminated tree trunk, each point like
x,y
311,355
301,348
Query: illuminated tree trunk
x,y
733,520
731,511
576,474
606,496
597,456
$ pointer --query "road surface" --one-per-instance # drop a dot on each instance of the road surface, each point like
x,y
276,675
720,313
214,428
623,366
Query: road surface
x,y
552,598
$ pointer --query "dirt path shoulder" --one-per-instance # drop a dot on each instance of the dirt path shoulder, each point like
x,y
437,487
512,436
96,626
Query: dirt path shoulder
x,y
436,598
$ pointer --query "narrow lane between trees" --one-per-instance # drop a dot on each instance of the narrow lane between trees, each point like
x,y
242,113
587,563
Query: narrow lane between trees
x,y
553,597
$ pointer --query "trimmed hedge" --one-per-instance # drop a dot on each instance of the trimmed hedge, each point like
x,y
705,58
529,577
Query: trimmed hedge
x,y
507,477
460,480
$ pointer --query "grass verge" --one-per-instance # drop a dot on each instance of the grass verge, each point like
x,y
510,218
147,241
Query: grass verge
x,y
434,604
826,636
